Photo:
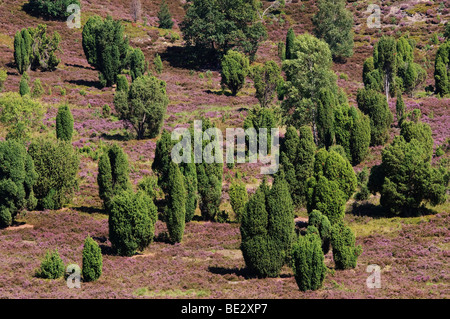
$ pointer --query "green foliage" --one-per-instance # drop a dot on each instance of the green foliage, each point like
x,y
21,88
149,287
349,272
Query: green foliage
x,y
105,47
334,23
3,77
52,267
51,9
176,211
406,179
267,229
158,64
164,16
363,178
106,110
259,118
297,161
92,260
385,60
57,164
308,72
144,106
113,173
20,114
33,49
138,65
191,185
122,83
376,107
149,184
64,123
331,187
399,108
132,218
238,198
345,254
17,177
38,90
323,226
235,67
290,38
360,137
441,69
24,88
308,262
416,129
162,159
266,78
222,25
324,121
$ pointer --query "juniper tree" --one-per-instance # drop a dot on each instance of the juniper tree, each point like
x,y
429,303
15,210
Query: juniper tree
x,y
345,254
176,210
105,47
17,178
308,262
24,88
113,173
290,38
441,72
238,198
267,229
138,65
92,260
376,107
235,68
64,123
132,218
164,17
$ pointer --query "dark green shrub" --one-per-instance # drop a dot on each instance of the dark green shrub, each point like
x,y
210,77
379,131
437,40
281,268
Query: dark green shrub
x,y
105,47
290,38
162,159
113,173
164,16
23,85
64,123
17,177
308,262
235,67
326,196
138,65
345,254
441,72
360,137
267,229
339,169
323,226
52,267
324,122
405,178
412,128
122,83
51,9
238,198
144,106
92,260
132,218
374,104
363,179
176,210
57,164
189,172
